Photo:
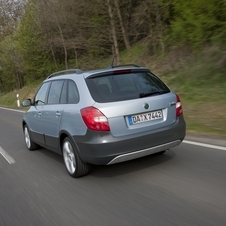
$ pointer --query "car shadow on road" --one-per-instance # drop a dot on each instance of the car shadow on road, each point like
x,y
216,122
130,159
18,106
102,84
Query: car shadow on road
x,y
132,166
117,169
51,155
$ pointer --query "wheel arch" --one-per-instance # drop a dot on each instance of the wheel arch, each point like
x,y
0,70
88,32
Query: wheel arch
x,y
23,124
63,135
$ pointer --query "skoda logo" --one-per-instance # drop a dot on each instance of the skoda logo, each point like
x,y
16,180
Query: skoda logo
x,y
146,106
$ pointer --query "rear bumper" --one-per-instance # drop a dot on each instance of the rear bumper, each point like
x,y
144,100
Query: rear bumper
x,y
103,149
145,152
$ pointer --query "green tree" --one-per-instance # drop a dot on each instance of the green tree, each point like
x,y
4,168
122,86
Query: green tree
x,y
198,21
37,58
149,22
11,76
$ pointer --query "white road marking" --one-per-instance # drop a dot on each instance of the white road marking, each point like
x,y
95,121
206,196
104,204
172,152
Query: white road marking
x,y
7,157
205,145
10,109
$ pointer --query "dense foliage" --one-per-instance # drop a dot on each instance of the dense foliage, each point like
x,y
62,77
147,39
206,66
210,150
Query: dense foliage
x,y
38,37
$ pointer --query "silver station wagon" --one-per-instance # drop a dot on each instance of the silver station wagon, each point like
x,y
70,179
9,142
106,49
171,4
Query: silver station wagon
x,y
103,116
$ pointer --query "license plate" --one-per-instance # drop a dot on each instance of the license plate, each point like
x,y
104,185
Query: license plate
x,y
145,117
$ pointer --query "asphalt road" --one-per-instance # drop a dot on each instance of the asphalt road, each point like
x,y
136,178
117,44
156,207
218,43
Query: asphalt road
x,y
185,186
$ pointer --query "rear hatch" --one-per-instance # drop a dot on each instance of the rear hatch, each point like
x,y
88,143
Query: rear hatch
x,y
133,100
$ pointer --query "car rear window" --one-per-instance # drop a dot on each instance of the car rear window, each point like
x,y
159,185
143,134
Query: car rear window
x,y
119,87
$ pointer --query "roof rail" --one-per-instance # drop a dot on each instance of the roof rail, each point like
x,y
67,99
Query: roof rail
x,y
125,65
65,72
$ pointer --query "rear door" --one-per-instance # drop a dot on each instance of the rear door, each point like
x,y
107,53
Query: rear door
x,y
62,94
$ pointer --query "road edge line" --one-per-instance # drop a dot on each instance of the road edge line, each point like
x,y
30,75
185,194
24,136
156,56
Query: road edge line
x,y
204,145
10,109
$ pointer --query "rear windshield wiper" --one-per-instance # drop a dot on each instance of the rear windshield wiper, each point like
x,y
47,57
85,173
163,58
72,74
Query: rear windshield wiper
x,y
153,93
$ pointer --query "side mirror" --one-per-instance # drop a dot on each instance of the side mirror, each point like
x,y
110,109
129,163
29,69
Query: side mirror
x,y
26,103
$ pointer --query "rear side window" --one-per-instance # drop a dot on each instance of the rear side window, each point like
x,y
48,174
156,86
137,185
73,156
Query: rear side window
x,y
73,95
121,87
55,92
63,92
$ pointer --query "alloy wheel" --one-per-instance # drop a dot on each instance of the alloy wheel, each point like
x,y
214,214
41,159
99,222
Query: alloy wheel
x,y
27,137
69,157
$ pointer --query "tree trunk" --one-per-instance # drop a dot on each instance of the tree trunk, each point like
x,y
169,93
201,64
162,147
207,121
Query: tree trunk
x,y
159,28
1,85
114,34
61,34
126,41
53,55
64,46
76,57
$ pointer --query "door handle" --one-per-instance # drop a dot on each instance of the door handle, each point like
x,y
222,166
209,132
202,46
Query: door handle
x,y
58,114
39,113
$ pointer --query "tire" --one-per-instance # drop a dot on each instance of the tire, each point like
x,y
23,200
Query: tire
x,y
73,163
29,143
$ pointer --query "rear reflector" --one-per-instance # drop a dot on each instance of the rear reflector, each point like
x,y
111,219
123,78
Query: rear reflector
x,y
95,119
179,109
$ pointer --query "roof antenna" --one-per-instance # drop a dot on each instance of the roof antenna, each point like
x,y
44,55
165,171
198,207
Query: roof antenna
x,y
112,63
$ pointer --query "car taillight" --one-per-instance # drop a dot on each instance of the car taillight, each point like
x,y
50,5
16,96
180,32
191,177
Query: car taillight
x,y
179,109
95,119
